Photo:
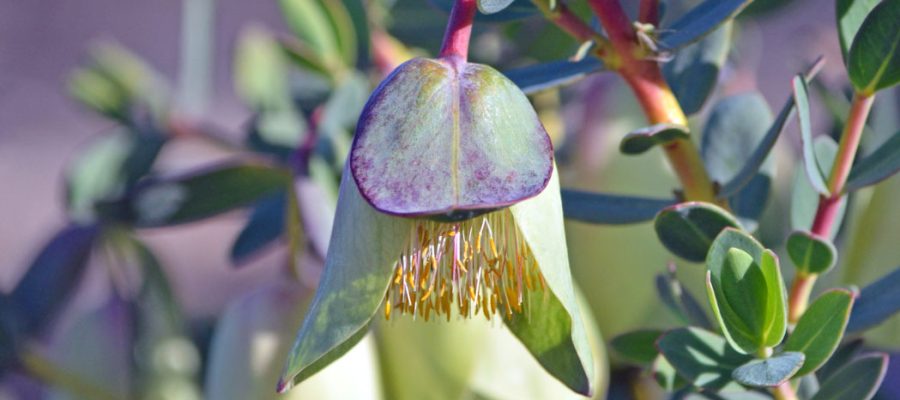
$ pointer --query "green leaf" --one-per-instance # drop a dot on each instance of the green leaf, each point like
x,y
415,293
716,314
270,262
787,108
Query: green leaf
x,y
858,380
735,124
344,31
844,355
821,328
694,71
761,154
805,199
699,22
679,300
811,164
199,195
493,6
688,229
265,226
874,59
310,22
702,357
666,375
809,253
52,278
554,332
850,16
878,166
638,346
876,303
365,245
769,372
641,140
537,77
610,209
776,300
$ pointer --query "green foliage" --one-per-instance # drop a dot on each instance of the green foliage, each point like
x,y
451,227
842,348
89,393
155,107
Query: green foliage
x,y
810,254
701,357
611,209
820,329
638,346
688,229
769,372
873,62
857,380
641,140
694,71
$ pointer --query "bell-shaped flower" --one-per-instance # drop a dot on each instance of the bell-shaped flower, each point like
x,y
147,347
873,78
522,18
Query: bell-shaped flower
x,y
449,206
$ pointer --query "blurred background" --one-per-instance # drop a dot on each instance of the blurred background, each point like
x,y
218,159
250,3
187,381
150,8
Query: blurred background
x,y
192,46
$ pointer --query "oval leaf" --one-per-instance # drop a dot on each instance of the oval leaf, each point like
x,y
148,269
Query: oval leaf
x,y
811,164
769,372
702,357
811,254
198,195
858,380
876,303
641,140
694,71
610,209
880,165
821,328
442,137
874,60
699,21
850,15
534,78
638,347
493,6
688,229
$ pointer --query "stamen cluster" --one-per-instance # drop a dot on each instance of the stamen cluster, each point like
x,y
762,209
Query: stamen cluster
x,y
482,265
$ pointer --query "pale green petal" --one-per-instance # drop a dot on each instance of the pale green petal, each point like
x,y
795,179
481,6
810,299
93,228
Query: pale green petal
x,y
364,246
552,328
251,343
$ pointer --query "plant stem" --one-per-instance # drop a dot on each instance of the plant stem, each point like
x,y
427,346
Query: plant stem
x,y
656,99
46,371
784,391
648,12
459,30
829,206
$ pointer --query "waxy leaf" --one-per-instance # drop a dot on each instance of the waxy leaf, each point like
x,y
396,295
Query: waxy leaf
x,y
198,195
694,71
702,357
688,229
52,277
877,302
265,226
769,372
493,6
878,166
760,155
850,16
874,59
534,78
610,209
738,123
844,355
812,166
679,300
666,375
811,254
858,380
805,199
554,332
448,137
699,22
641,140
638,346
821,328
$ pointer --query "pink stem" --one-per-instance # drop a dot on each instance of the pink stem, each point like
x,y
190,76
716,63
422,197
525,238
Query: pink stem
x,y
459,29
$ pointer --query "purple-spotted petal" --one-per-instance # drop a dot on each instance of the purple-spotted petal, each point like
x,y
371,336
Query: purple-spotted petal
x,y
439,137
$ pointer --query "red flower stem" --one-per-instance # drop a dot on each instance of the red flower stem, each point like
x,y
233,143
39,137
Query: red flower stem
x,y
656,99
459,30
826,218
648,12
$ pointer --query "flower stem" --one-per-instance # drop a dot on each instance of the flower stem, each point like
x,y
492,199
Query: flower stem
x,y
826,219
46,371
656,99
459,29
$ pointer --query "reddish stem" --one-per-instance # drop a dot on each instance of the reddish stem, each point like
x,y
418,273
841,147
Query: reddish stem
x,y
648,12
459,30
563,17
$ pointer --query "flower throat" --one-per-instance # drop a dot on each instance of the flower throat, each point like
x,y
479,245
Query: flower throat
x,y
482,265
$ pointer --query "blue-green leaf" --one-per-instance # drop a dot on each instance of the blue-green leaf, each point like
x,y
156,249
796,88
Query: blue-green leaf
x,y
809,253
804,198
702,357
769,372
535,78
810,163
874,60
876,303
880,165
641,140
688,229
265,226
679,300
850,15
858,380
637,346
610,209
694,71
699,22
820,329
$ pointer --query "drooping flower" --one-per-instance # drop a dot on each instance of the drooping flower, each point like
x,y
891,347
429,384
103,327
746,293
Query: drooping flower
x,y
449,205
